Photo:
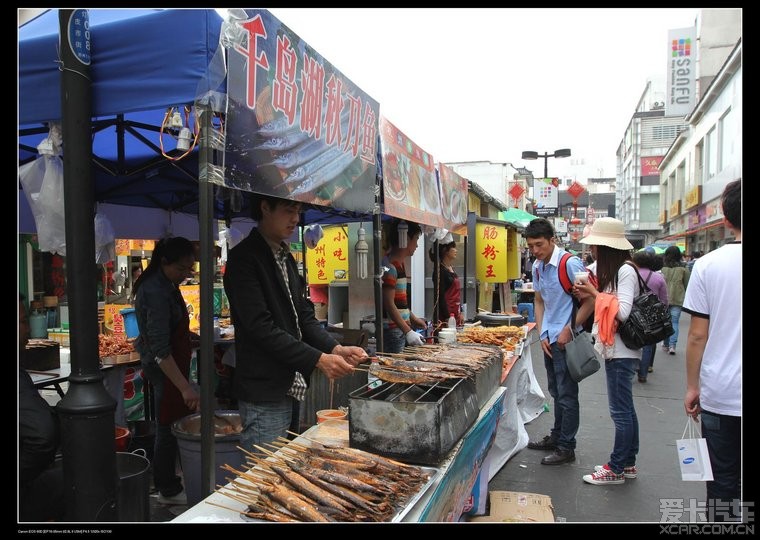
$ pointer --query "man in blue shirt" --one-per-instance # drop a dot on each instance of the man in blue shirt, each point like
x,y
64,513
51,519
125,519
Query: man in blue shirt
x,y
553,310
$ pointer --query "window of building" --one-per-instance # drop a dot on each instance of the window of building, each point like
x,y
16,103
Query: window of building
x,y
712,153
726,139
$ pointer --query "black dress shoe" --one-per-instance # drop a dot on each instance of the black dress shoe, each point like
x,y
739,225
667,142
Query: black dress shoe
x,y
547,443
560,456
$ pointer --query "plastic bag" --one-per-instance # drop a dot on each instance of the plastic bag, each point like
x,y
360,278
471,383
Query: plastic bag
x,y
42,180
693,457
105,245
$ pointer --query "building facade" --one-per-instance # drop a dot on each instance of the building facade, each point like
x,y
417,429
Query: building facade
x,y
702,160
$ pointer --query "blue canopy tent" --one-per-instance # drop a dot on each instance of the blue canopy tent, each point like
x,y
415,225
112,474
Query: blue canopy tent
x,y
143,61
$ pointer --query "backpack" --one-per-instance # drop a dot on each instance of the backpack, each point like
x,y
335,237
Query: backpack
x,y
566,281
649,321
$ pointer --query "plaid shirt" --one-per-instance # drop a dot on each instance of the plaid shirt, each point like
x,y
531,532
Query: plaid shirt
x,y
281,252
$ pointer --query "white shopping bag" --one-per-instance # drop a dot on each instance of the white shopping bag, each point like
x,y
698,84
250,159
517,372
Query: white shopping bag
x,y
692,454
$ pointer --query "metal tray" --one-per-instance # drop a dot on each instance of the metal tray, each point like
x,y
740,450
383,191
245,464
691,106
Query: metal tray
x,y
434,474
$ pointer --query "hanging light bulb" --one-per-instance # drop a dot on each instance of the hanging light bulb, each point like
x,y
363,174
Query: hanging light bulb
x,y
403,229
362,249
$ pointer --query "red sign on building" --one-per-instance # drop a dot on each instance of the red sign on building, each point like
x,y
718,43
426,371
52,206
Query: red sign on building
x,y
650,166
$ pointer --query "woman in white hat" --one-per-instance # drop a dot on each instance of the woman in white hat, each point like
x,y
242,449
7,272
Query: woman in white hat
x,y
611,251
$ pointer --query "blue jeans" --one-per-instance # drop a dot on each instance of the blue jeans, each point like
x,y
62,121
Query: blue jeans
x,y
620,396
165,449
393,340
264,421
724,444
675,315
647,359
565,393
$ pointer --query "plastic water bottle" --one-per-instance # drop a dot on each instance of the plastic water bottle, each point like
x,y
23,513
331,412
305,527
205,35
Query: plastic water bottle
x,y
452,321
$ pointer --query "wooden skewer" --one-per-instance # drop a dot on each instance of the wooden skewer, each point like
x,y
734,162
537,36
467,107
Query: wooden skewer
x,y
294,444
304,437
226,507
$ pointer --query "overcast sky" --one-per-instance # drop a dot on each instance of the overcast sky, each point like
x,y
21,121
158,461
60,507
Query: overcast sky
x,y
486,84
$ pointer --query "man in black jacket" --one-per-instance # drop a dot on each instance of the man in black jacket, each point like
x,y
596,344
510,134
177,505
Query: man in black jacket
x,y
40,486
278,340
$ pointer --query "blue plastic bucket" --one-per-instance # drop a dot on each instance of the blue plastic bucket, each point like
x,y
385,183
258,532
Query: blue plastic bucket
x,y
130,322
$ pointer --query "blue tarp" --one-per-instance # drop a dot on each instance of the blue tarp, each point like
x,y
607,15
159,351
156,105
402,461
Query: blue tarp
x,y
142,59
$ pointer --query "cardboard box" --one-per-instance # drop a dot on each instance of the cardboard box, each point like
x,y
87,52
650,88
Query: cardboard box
x,y
513,506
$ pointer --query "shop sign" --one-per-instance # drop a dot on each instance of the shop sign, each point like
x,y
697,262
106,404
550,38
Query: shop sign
x,y
113,320
192,296
296,127
675,208
650,166
410,185
547,196
682,73
713,210
491,253
328,261
693,197
663,217
453,200
122,247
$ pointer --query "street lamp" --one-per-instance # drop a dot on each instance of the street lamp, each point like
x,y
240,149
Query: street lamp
x,y
562,152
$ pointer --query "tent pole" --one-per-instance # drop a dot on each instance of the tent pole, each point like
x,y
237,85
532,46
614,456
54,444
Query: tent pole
x,y
207,259
86,411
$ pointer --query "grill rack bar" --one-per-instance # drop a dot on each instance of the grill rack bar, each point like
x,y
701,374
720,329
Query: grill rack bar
x,y
387,393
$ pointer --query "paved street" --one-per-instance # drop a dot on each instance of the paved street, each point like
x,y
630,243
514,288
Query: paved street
x,y
661,421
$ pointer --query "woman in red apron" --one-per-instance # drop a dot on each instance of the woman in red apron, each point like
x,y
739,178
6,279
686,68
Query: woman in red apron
x,y
165,350
447,291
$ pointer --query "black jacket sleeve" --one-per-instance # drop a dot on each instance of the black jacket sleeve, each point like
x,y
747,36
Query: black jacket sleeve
x,y
38,428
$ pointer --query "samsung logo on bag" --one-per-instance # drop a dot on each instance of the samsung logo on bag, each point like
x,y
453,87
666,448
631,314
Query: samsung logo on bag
x,y
688,460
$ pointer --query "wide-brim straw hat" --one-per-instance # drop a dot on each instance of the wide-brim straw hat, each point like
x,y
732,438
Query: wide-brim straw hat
x,y
608,232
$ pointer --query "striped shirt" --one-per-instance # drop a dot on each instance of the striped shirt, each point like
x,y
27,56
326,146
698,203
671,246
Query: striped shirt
x,y
396,277
281,252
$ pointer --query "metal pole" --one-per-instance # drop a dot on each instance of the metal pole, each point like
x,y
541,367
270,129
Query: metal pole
x,y
206,359
377,224
546,165
86,411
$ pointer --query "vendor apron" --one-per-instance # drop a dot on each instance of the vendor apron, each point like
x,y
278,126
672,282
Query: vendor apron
x,y
452,296
172,405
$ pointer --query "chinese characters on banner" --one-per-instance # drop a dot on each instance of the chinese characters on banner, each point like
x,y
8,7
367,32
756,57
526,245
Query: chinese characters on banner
x,y
547,195
328,261
409,182
453,200
297,128
491,253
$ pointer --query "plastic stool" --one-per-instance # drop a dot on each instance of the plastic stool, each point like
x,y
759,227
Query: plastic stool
x,y
526,310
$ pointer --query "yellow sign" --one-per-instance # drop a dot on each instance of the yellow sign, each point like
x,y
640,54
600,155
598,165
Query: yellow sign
x,y
491,253
192,297
122,246
663,217
329,260
693,197
513,255
675,208
113,319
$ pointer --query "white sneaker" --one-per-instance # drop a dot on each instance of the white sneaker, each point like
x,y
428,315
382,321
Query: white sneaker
x,y
179,498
